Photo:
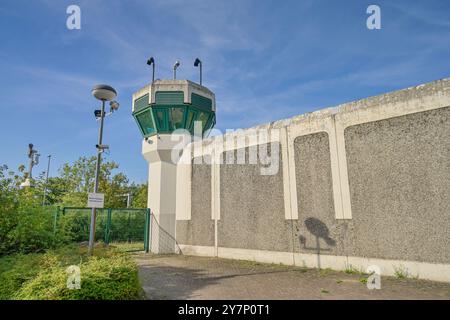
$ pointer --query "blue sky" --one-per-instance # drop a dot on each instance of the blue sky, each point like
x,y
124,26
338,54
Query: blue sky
x,y
265,60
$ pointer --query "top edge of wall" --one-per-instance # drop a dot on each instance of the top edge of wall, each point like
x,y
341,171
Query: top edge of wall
x,y
435,88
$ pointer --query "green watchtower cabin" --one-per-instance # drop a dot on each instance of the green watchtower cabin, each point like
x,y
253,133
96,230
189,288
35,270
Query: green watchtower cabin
x,y
160,109
167,105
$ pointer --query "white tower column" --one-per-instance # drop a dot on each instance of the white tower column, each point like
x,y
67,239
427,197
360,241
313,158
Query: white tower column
x,y
162,182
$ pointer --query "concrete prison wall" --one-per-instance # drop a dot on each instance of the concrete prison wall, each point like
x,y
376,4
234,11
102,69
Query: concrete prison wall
x,y
364,183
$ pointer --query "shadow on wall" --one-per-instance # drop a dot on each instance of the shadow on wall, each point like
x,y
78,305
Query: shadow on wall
x,y
318,230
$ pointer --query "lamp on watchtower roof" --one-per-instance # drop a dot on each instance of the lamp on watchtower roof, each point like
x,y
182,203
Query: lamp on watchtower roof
x,y
164,110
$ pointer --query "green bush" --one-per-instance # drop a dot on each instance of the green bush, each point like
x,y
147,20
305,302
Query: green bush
x,y
15,270
108,275
31,229
25,225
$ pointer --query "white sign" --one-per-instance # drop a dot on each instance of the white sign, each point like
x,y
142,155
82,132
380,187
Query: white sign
x,y
96,200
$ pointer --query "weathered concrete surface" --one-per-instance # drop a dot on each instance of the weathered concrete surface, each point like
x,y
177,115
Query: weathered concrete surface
x,y
368,180
187,277
200,229
317,230
399,175
252,208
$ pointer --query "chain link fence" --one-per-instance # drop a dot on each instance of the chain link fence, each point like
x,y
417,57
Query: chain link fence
x,y
126,228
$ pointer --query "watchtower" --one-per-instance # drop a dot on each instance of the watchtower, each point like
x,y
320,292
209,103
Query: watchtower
x,y
165,110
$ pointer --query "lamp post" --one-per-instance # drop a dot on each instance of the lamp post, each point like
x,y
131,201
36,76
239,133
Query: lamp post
x,y
129,197
46,179
33,155
175,67
197,63
103,93
151,62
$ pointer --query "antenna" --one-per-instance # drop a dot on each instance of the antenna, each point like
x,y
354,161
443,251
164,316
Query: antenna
x,y
151,62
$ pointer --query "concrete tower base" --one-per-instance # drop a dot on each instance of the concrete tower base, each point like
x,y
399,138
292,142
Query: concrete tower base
x,y
157,150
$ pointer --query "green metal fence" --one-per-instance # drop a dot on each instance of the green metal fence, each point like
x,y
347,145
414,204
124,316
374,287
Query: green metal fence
x,y
124,227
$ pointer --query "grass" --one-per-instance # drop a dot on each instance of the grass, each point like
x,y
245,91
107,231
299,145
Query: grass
x,y
349,269
401,272
106,275
325,272
15,270
127,247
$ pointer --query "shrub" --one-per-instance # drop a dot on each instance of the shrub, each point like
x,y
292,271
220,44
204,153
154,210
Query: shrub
x,y
109,275
16,270
30,229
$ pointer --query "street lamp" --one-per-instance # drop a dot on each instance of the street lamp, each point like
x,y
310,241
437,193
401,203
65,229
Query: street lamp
x,y
128,195
175,67
151,62
103,93
46,179
33,155
197,63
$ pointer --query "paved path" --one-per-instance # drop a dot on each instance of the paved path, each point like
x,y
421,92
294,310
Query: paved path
x,y
187,277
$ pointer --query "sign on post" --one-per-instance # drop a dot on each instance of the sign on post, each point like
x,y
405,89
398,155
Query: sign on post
x,y
96,200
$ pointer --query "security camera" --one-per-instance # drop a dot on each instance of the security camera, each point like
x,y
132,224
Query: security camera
x,y
150,61
177,64
114,105
36,159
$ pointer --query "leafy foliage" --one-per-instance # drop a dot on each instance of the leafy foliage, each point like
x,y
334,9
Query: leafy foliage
x,y
32,253
108,275
16,270
27,226
78,179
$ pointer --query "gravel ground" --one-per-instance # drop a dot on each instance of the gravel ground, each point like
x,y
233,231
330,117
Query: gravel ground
x,y
189,277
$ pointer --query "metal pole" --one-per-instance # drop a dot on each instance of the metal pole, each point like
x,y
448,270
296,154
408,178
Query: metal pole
x,y
153,75
46,180
147,231
108,226
97,173
55,218
174,73
128,200
201,73
30,170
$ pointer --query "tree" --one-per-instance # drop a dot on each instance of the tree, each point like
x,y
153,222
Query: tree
x,y
140,196
77,180
28,226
